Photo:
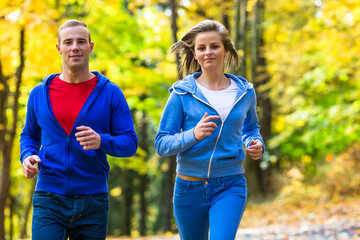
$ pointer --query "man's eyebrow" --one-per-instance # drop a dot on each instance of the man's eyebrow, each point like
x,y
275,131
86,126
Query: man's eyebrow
x,y
71,39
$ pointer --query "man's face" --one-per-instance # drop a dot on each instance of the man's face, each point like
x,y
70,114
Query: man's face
x,y
75,47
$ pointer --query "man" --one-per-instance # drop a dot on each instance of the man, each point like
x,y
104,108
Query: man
x,y
76,117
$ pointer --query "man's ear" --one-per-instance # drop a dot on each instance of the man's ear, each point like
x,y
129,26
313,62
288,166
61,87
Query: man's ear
x,y
91,46
58,48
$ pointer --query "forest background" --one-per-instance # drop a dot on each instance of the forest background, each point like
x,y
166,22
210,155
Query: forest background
x,y
301,55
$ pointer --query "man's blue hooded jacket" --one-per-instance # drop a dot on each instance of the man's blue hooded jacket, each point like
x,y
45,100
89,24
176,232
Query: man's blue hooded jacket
x,y
65,167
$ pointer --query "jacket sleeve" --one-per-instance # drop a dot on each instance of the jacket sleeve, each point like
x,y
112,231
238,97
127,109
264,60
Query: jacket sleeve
x,y
122,140
251,128
30,137
170,140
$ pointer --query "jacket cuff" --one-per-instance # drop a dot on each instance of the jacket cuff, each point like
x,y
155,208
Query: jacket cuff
x,y
189,137
256,139
105,139
25,155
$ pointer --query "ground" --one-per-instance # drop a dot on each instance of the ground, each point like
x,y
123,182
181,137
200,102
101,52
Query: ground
x,y
307,221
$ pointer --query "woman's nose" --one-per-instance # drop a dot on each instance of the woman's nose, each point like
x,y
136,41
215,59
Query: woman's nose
x,y
208,51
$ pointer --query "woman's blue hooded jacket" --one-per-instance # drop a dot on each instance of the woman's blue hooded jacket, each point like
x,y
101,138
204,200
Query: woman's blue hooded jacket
x,y
65,167
221,153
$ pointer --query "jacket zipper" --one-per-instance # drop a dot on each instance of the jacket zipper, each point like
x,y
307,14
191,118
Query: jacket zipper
x,y
222,124
212,155
68,165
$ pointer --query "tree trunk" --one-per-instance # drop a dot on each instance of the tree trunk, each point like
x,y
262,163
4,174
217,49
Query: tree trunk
x,y
252,168
143,204
258,178
255,39
225,21
243,42
170,174
143,143
253,178
168,183
127,200
127,194
5,163
259,76
8,135
263,78
11,217
23,234
174,28
240,40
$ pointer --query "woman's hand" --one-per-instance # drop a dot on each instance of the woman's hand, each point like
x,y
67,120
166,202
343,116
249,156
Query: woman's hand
x,y
255,149
205,126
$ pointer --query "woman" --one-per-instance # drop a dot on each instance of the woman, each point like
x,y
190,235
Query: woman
x,y
207,119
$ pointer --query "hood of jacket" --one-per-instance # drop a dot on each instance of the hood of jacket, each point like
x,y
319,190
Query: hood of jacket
x,y
102,80
188,84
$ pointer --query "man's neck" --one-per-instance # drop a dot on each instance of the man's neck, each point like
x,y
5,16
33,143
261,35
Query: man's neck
x,y
76,77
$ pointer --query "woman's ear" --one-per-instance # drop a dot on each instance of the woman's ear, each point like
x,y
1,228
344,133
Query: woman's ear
x,y
194,55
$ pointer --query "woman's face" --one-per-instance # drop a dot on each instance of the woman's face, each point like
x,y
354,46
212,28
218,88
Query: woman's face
x,y
209,51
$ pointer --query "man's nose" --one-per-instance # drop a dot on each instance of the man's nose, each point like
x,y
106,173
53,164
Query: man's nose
x,y
75,46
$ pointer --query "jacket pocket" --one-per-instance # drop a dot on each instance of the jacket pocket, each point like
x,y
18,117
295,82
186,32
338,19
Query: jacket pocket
x,y
228,155
52,161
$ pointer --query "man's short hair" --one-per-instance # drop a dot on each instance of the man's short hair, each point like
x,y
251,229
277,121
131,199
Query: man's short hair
x,y
72,23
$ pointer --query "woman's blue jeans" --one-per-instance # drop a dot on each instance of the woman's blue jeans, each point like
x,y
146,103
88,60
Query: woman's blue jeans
x,y
59,217
209,208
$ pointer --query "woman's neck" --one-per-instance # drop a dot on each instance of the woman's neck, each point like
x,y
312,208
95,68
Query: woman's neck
x,y
214,80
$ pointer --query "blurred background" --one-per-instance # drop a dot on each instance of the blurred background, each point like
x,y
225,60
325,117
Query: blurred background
x,y
302,57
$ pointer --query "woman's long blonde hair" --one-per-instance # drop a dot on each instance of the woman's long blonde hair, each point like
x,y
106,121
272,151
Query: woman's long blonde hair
x,y
185,46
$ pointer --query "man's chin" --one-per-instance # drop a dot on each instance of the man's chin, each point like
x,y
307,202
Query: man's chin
x,y
76,66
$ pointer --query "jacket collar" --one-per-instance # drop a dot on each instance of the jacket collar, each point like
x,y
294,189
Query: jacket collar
x,y
188,84
102,80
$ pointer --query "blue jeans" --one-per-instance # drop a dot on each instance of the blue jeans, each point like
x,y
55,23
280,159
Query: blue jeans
x,y
210,207
59,217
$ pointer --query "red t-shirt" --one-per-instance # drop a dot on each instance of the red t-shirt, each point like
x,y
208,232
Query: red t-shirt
x,y
67,99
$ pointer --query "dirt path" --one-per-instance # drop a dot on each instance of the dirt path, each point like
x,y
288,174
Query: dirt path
x,y
333,229
310,221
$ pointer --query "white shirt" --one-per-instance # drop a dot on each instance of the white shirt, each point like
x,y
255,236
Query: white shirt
x,y
223,100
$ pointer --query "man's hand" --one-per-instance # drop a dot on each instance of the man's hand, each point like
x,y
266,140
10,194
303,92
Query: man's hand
x,y
28,166
205,126
88,138
255,150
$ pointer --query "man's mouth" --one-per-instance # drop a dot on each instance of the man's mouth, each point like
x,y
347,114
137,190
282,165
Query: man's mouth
x,y
76,56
